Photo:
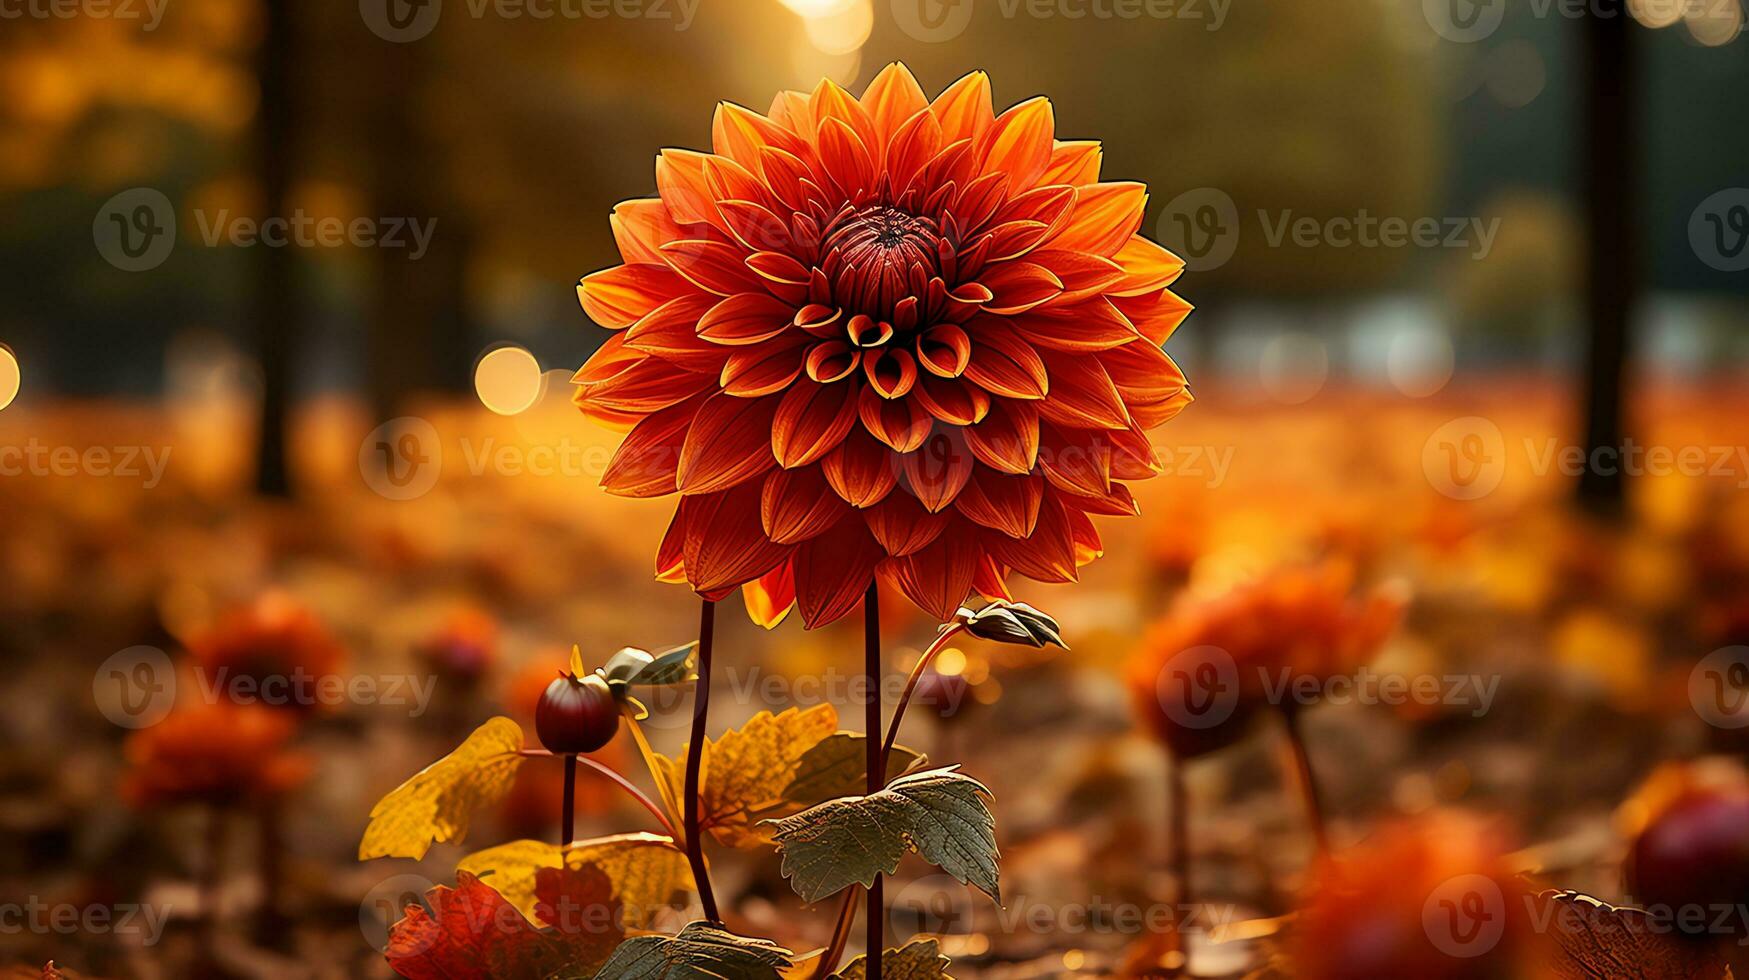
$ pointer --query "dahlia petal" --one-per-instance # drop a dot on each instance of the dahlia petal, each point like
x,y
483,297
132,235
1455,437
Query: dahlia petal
x,y
944,350
965,110
939,577
1047,554
1155,314
860,470
865,331
832,360
1003,363
892,98
645,385
1095,325
729,181
741,135
1105,217
1051,205
1146,266
891,372
978,202
718,267
902,525
1073,162
618,297
830,102
681,182
646,463
1085,536
764,369
778,268
1082,394
770,597
790,110
1008,438
1132,455
754,225
670,554
834,571
788,177
915,143
1012,239
796,505
811,421
902,424
1076,462
1008,504
952,402
952,165
725,544
939,469
745,318
1142,372
728,443
990,580
1119,502
1016,287
670,332
1160,411
641,227
1083,274
846,159
1019,142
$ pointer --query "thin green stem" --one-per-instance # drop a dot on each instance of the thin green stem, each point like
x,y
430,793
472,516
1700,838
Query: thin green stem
x,y
701,707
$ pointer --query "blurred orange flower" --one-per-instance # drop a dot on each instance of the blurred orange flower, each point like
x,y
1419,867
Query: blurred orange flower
x,y
1205,669
1432,898
464,646
277,642
213,752
883,337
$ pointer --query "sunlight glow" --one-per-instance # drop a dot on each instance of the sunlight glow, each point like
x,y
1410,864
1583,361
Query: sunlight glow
x,y
508,380
10,376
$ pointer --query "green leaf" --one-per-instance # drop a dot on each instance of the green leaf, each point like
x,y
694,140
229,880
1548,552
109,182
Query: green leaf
x,y
839,767
920,960
941,814
632,666
701,952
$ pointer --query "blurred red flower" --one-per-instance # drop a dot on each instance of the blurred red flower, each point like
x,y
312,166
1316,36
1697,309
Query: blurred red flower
x,y
275,641
883,337
213,752
1205,668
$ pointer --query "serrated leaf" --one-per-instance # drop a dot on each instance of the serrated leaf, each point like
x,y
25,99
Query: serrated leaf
x,y
839,767
1593,940
634,667
920,960
439,801
744,773
941,814
472,931
700,952
647,871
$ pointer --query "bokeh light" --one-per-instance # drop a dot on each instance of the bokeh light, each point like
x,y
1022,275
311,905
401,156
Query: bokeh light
x,y
10,377
1294,367
844,31
508,380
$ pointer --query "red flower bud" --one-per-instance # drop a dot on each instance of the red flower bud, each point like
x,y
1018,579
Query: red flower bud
x,y
576,714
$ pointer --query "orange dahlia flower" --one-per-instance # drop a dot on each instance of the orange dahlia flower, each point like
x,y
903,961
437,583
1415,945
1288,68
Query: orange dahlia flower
x,y
883,337
213,752
272,638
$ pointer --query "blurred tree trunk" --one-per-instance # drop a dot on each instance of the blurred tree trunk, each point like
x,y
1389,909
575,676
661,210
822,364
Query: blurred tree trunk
x,y
1609,165
275,309
419,333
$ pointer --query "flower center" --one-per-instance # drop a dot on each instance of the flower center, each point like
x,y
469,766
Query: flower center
x,y
877,256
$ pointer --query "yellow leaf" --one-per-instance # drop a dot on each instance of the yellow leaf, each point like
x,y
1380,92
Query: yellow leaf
x,y
743,775
647,871
437,803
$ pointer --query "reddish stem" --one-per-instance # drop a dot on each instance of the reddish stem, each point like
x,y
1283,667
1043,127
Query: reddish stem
x,y
701,706
923,663
568,810
1301,761
618,780
877,768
